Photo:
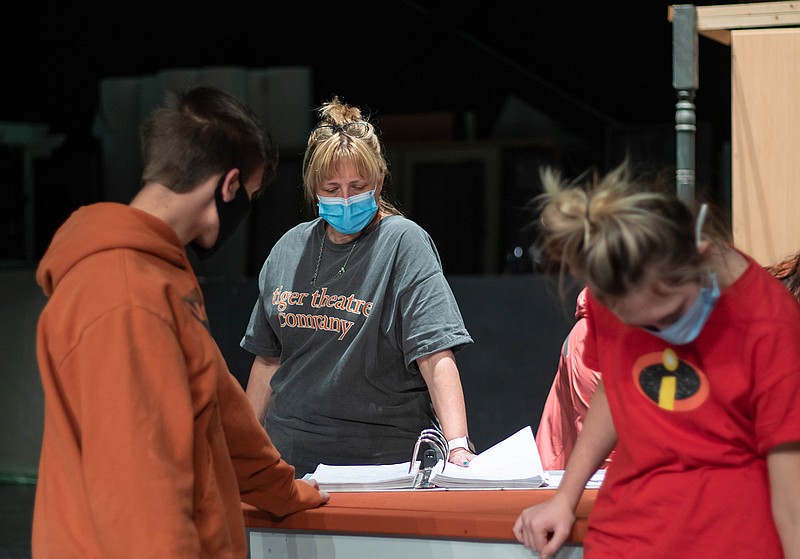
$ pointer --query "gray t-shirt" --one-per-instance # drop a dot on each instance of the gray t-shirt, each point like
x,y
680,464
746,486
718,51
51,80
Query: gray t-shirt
x,y
348,390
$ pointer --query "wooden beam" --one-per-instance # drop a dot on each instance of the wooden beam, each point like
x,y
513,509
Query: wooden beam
x,y
715,22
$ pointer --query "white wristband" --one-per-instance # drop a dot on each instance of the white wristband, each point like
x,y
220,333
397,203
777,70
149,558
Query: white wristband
x,y
460,442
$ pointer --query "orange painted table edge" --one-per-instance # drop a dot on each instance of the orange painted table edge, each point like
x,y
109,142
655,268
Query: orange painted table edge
x,y
484,515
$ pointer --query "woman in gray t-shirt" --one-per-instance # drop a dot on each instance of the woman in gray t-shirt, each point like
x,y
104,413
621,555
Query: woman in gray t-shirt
x,y
355,327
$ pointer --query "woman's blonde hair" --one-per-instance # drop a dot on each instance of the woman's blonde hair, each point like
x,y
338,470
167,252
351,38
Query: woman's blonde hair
x,y
788,271
612,231
326,153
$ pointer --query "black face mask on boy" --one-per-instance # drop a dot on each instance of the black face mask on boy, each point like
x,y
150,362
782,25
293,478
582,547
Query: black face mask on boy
x,y
231,214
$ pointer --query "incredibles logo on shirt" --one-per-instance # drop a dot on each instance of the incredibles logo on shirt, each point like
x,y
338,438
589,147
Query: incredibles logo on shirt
x,y
672,384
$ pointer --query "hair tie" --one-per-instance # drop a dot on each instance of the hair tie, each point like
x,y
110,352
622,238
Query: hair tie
x,y
587,228
698,225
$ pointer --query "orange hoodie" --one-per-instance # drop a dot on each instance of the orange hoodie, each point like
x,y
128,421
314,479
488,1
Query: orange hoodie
x,y
150,444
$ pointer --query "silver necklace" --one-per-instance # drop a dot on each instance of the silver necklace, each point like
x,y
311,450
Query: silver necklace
x,y
341,271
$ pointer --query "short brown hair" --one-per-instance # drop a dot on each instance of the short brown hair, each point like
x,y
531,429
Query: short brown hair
x,y
201,132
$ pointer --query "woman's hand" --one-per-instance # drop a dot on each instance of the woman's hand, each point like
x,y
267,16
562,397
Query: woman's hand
x,y
544,528
460,457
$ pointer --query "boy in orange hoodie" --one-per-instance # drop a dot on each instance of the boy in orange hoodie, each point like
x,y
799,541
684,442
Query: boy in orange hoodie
x,y
150,444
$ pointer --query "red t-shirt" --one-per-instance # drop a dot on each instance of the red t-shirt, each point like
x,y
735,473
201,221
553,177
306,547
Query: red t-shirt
x,y
694,425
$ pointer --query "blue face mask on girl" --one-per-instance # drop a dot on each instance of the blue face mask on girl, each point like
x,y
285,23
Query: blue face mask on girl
x,y
686,329
348,215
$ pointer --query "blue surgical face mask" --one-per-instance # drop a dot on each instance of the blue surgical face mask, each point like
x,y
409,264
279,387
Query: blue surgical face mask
x,y
348,215
686,329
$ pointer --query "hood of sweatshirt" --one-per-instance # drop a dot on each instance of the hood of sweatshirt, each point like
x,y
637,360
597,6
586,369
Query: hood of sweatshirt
x,y
106,226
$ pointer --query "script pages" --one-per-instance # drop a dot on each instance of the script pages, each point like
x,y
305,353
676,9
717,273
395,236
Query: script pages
x,y
364,478
510,464
513,463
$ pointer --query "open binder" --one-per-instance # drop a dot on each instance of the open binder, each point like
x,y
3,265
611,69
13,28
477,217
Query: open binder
x,y
513,463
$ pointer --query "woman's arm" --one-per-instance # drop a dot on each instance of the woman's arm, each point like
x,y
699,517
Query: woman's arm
x,y
783,465
259,391
444,383
544,528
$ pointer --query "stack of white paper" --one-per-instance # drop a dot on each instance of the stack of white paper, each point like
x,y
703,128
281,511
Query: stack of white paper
x,y
364,478
554,479
510,464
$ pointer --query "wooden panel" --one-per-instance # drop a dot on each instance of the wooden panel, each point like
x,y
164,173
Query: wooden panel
x,y
742,16
715,22
766,144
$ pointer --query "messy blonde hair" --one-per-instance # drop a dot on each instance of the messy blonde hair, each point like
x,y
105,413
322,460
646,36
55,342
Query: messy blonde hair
x,y
325,155
612,231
